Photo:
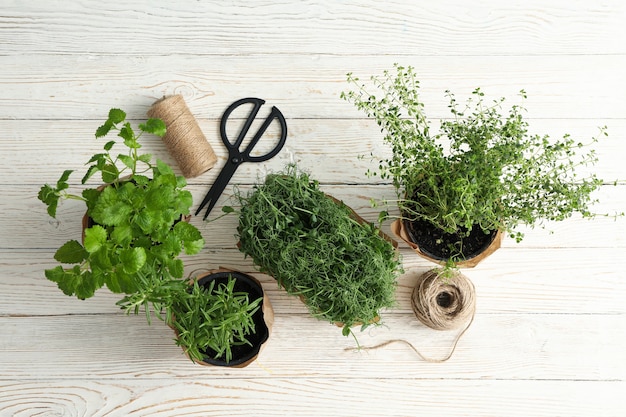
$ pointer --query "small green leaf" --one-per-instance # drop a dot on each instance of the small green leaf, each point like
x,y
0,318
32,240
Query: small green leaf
x,y
74,281
228,209
110,173
114,214
104,129
97,157
345,331
109,145
190,236
133,259
155,126
127,160
91,195
95,237
62,182
141,180
71,252
145,221
90,171
193,246
176,268
127,133
164,169
50,197
117,116
55,274
145,158
122,234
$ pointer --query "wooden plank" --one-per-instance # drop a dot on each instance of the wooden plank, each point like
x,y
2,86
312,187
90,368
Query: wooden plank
x,y
530,281
332,150
237,396
497,346
328,27
86,86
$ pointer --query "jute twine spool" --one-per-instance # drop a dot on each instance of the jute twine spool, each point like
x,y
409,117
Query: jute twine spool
x,y
443,303
184,139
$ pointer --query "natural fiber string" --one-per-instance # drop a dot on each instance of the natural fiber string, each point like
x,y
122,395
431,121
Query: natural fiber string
x,y
184,139
441,304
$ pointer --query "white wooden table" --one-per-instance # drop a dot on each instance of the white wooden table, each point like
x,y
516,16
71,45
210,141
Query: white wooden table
x,y
549,337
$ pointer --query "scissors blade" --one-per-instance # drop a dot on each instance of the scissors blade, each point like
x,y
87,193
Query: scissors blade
x,y
217,188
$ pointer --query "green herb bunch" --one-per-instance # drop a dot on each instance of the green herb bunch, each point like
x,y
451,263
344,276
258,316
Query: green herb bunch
x,y
137,232
216,318
482,167
342,269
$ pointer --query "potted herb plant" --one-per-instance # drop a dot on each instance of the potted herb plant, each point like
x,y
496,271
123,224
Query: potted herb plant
x,y
223,319
135,229
479,175
317,248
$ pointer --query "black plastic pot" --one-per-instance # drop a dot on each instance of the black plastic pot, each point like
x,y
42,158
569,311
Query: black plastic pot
x,y
263,318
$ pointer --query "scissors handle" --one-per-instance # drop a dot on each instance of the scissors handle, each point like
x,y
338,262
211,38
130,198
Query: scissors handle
x,y
235,155
217,188
244,156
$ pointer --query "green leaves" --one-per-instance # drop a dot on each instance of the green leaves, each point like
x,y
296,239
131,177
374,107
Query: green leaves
x,y
491,173
154,126
50,195
133,259
313,246
190,237
74,281
71,252
213,319
95,238
138,230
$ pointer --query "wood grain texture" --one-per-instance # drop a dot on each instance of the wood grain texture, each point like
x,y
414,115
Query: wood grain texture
x,y
86,86
237,396
538,347
346,27
549,335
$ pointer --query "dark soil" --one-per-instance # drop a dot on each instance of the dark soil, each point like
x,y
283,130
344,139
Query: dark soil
x,y
443,246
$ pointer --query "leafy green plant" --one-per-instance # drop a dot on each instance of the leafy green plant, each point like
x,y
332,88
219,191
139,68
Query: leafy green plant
x,y
482,168
136,233
343,270
215,319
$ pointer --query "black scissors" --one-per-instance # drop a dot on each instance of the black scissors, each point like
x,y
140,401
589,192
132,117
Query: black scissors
x,y
235,155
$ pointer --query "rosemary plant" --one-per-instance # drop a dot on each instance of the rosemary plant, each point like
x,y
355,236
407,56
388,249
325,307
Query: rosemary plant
x,y
343,270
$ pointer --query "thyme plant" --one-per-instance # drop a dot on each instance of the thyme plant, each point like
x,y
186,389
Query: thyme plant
x,y
481,168
344,271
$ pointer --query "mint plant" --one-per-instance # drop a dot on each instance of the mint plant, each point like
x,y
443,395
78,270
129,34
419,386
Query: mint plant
x,y
343,270
482,169
137,230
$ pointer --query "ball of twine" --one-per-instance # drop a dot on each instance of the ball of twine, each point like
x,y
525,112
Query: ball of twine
x,y
184,139
443,303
